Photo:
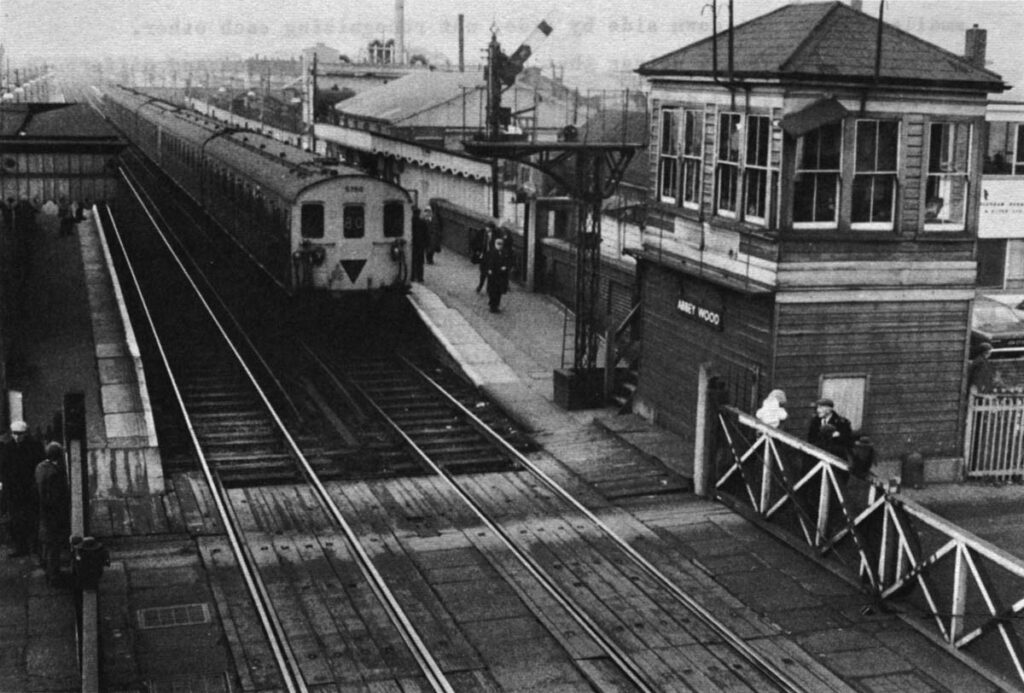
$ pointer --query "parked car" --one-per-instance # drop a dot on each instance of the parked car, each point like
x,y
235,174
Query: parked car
x,y
999,325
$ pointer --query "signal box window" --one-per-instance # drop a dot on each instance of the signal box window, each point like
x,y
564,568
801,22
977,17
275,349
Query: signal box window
x,y
816,186
756,190
394,219
874,178
1005,155
730,135
949,151
668,162
354,221
313,220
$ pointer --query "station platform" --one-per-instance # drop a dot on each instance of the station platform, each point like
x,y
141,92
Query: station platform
x,y
72,329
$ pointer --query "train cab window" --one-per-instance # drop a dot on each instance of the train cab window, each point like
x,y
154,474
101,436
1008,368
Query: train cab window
x,y
394,219
354,220
313,220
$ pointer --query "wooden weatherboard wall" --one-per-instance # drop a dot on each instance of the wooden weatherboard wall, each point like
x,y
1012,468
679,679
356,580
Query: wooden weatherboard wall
x,y
675,344
912,353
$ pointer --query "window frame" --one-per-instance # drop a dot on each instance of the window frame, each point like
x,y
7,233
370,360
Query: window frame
x,y
734,165
668,159
312,204
344,219
965,175
875,174
765,169
691,163
836,172
384,218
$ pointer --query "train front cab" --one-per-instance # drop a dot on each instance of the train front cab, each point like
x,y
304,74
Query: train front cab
x,y
349,237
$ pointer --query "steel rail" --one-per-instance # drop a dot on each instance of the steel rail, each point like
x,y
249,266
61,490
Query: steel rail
x,y
241,331
287,662
776,675
631,669
403,624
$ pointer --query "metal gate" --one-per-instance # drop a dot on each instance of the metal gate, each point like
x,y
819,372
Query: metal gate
x,y
994,438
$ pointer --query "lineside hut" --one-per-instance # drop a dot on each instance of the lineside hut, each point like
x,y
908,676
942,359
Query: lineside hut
x,y
814,225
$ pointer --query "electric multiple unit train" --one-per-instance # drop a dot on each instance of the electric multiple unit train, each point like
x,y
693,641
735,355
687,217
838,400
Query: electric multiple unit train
x,y
312,224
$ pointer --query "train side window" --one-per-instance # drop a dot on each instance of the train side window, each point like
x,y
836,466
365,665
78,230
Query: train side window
x,y
394,219
313,220
354,220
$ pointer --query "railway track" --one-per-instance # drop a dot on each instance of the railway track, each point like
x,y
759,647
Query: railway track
x,y
241,440
235,429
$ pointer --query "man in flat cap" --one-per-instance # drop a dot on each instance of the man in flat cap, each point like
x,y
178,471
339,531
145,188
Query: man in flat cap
x,y
19,455
830,431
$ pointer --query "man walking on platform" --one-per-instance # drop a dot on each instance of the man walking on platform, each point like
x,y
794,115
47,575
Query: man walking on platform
x,y
18,459
496,264
51,481
420,240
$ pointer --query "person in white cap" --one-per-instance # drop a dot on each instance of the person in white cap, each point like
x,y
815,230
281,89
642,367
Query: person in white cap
x,y
18,459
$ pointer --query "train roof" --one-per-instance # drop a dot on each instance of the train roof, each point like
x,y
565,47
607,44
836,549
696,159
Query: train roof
x,y
278,167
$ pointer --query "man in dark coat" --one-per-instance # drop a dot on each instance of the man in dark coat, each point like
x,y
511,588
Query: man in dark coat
x,y
481,244
830,431
420,240
496,263
18,459
51,481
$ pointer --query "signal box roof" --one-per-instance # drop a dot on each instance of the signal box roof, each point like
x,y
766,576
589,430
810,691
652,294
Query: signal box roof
x,y
824,41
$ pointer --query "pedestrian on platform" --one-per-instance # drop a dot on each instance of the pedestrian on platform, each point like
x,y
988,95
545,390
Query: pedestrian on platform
x,y
54,510
830,431
19,456
83,209
67,219
772,411
479,246
496,264
433,236
420,240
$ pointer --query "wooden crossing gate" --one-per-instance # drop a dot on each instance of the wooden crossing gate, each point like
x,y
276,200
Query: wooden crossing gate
x,y
994,437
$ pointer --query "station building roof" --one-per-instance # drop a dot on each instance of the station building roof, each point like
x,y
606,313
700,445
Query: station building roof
x,y
74,123
410,95
824,41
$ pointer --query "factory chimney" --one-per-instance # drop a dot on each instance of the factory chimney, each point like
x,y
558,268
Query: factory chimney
x,y
400,32
974,46
462,43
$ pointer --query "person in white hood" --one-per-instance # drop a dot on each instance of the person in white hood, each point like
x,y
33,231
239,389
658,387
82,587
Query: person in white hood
x,y
772,411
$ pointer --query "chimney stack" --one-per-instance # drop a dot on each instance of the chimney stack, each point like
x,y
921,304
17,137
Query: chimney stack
x,y
462,43
400,32
857,5
974,46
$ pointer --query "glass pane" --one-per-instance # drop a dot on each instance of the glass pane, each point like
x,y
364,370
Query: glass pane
x,y
729,137
888,145
691,180
727,179
938,148
882,198
354,223
668,132
961,147
394,219
694,133
827,193
831,137
754,195
1020,144
996,159
312,220
861,211
866,141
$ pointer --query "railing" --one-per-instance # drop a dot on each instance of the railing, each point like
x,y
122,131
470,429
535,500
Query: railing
x,y
994,440
971,592
620,343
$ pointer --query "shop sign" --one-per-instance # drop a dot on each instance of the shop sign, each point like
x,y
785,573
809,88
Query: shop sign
x,y
1001,213
701,313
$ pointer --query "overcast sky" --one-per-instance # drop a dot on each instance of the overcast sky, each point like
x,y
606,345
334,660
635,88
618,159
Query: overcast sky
x,y
589,35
